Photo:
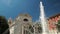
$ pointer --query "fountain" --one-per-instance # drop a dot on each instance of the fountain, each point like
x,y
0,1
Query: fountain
x,y
43,19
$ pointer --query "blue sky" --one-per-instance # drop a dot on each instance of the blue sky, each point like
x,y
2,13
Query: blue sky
x,y
11,8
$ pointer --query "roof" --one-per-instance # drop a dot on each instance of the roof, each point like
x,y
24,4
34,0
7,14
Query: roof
x,y
56,15
27,15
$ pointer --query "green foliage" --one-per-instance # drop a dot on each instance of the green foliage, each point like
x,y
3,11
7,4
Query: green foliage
x,y
58,21
3,24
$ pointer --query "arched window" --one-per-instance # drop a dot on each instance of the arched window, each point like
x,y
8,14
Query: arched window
x,y
25,20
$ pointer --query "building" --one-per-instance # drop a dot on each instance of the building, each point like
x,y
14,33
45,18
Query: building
x,y
53,21
23,25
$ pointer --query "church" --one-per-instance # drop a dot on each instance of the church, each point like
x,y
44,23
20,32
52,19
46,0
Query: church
x,y
23,24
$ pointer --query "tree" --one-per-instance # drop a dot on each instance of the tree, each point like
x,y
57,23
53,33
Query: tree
x,y
3,25
58,25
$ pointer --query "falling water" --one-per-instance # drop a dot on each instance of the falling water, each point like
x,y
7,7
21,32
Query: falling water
x,y
43,20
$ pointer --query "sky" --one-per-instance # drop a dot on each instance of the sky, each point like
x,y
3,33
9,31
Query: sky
x,y
12,8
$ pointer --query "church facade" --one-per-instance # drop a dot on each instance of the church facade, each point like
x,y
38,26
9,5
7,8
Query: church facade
x,y
23,25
